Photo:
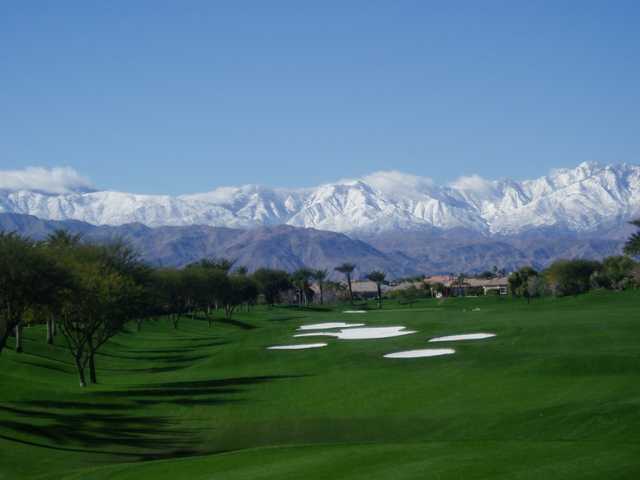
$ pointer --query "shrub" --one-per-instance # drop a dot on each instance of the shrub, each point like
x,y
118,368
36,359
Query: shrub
x,y
571,277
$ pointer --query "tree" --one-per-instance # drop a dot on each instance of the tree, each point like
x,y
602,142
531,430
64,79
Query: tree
x,y
240,289
215,263
632,247
536,286
570,277
519,282
169,293
616,273
347,269
459,284
320,276
29,278
300,279
271,284
378,277
409,295
103,296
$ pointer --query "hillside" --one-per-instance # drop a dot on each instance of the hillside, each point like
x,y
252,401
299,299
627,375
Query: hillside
x,y
287,247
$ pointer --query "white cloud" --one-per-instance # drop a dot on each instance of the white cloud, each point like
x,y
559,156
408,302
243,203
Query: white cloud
x,y
392,181
474,183
50,180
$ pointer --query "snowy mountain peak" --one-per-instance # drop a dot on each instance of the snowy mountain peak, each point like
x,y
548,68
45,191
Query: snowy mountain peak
x,y
584,198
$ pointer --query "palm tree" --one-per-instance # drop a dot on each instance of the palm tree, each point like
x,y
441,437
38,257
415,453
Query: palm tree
x,y
632,247
320,276
378,277
300,278
347,269
63,239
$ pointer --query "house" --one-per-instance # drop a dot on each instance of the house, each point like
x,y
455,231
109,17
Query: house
x,y
463,286
366,289
500,285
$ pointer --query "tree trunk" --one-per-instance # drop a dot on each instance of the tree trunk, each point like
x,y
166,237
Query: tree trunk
x,y
321,295
350,291
92,369
139,324
54,326
80,368
18,331
50,331
3,339
379,297
210,320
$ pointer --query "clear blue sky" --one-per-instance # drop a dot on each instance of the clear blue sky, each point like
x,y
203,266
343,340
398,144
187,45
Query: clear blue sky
x,y
184,96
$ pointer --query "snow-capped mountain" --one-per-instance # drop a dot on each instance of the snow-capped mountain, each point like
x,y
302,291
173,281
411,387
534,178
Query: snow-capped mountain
x,y
586,198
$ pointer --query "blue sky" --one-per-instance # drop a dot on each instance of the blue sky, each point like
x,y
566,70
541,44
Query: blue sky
x,y
183,96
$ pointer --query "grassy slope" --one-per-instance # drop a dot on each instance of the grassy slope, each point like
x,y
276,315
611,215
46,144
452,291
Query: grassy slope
x,y
555,395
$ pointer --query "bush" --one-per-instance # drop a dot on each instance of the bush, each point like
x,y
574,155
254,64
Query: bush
x,y
571,277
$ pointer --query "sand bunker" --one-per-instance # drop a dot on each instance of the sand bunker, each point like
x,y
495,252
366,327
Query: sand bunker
x,y
427,352
362,333
297,347
468,336
320,326
354,311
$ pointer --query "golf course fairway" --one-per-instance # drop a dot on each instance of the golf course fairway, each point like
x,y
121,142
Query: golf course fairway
x,y
554,395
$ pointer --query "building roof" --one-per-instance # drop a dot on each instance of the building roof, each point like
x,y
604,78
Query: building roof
x,y
444,279
487,282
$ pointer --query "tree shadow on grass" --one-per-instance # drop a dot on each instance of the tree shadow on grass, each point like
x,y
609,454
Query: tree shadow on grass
x,y
308,308
236,323
100,426
184,393
284,318
55,368
96,430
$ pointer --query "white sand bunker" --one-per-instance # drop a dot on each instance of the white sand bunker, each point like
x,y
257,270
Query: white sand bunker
x,y
426,352
468,336
320,326
297,347
362,333
354,311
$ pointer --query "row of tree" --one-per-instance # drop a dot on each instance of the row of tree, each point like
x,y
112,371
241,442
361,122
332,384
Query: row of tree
x,y
88,292
572,277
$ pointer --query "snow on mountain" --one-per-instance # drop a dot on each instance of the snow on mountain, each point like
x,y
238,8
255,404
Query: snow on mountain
x,y
585,198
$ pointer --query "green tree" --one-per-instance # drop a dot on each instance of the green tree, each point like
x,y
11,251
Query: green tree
x,y
272,283
347,269
29,278
320,276
632,247
570,277
240,289
102,297
300,279
519,282
378,277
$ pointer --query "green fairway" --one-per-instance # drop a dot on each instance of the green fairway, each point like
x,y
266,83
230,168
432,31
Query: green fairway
x,y
556,395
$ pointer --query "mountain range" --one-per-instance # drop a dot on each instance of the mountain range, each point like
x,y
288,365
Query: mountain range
x,y
587,198
286,247
399,223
